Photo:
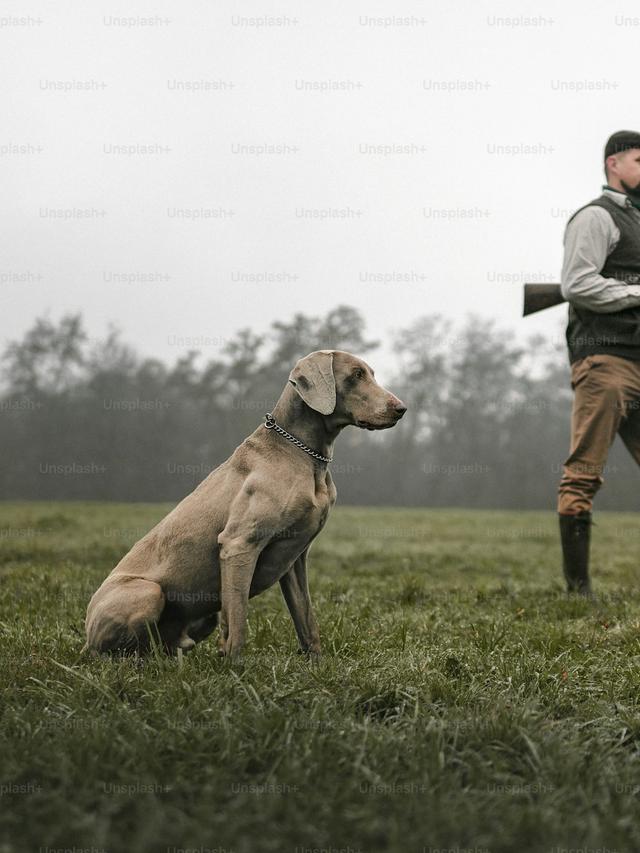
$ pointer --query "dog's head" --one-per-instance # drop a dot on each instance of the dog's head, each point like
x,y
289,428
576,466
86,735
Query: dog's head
x,y
340,384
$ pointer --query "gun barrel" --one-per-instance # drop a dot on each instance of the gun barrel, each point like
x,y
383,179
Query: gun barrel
x,y
538,297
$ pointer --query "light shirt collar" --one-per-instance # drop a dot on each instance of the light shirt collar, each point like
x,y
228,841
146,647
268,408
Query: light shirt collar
x,y
619,197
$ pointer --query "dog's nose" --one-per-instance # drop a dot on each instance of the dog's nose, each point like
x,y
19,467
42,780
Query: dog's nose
x,y
398,406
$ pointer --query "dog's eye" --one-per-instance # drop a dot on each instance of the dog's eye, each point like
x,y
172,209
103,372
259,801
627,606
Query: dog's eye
x,y
358,374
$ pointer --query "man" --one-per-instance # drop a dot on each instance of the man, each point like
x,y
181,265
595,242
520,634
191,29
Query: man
x,y
601,281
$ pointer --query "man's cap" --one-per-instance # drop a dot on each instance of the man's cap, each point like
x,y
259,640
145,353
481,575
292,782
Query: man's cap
x,y
622,140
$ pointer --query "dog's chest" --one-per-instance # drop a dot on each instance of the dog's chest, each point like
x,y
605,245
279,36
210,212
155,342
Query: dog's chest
x,y
325,489
287,544
310,520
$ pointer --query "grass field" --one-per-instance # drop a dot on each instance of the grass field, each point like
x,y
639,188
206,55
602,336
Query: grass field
x,y
463,701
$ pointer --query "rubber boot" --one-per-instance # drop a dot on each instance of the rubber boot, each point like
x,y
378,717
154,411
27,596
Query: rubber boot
x,y
575,535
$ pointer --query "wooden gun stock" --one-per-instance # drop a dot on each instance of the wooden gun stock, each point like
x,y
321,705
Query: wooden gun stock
x,y
537,297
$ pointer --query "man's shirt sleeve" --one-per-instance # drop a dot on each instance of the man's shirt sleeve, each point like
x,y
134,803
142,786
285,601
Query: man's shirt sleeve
x,y
589,239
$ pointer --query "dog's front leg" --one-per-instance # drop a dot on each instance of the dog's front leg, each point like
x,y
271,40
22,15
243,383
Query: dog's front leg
x,y
295,589
223,634
238,558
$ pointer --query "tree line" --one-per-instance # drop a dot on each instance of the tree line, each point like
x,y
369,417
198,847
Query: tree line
x,y
487,423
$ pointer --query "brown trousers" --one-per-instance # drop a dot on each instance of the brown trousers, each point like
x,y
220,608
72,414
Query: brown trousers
x,y
606,402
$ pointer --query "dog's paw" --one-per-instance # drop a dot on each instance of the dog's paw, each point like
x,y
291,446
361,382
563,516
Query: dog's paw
x,y
312,655
230,656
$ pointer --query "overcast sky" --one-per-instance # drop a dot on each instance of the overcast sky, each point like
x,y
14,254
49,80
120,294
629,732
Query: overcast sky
x,y
404,158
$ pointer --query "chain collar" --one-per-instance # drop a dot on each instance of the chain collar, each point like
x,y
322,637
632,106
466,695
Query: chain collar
x,y
270,423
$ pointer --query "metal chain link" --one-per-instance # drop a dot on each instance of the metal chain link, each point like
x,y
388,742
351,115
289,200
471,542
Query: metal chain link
x,y
270,423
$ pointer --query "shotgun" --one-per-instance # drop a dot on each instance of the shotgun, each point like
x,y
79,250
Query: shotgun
x,y
537,297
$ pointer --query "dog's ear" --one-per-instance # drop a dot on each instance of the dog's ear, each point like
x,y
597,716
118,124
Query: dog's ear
x,y
313,379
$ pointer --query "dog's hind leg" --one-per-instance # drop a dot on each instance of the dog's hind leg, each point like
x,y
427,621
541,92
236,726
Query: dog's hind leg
x,y
177,633
200,629
123,615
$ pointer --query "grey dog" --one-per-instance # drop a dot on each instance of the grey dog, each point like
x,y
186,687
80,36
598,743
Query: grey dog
x,y
247,525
